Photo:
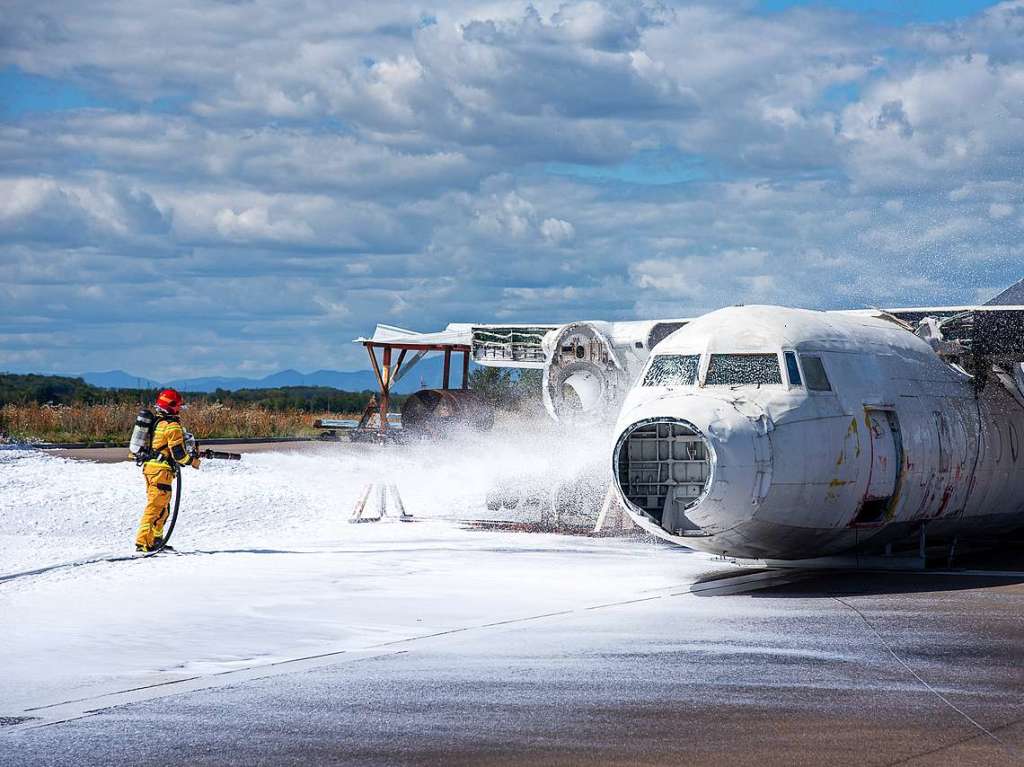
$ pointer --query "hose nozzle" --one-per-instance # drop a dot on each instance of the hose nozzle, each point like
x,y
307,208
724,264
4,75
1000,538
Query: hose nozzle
x,y
220,455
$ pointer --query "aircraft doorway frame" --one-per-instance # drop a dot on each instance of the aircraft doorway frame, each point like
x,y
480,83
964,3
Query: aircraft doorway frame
x,y
882,422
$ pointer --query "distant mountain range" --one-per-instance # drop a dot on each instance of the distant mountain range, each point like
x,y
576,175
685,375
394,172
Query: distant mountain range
x,y
117,379
427,373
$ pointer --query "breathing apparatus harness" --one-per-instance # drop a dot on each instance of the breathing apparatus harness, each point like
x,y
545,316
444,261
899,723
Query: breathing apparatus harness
x,y
141,448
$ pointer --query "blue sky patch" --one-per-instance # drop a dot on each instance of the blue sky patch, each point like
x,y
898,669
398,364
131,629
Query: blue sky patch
x,y
22,93
891,11
654,167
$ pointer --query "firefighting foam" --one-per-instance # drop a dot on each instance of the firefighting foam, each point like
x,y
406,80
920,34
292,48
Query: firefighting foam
x,y
275,499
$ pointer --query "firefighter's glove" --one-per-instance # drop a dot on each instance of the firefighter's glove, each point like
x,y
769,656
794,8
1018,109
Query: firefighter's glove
x,y
195,462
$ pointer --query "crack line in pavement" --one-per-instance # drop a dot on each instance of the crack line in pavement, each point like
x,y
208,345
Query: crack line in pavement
x,y
1009,749
954,744
627,602
85,714
118,692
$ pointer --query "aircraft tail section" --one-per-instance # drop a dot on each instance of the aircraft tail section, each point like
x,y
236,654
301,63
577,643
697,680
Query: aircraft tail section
x,y
1012,296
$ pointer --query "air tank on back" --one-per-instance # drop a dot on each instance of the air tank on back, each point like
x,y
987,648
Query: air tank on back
x,y
141,433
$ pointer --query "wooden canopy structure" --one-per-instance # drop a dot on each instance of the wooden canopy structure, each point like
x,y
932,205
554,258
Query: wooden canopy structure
x,y
394,361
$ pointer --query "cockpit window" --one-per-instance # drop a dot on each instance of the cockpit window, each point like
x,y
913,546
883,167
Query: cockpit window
x,y
743,370
672,370
814,372
792,369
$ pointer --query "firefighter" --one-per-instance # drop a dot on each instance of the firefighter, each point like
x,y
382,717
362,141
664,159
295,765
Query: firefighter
x,y
168,454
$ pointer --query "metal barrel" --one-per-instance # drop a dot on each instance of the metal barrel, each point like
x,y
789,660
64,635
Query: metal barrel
x,y
434,412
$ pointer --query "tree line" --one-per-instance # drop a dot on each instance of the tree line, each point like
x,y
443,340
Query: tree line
x,y
17,389
503,388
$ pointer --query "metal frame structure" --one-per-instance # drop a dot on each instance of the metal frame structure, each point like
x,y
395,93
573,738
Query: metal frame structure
x,y
387,374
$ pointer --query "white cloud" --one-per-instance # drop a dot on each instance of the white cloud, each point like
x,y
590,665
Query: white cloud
x,y
42,209
511,217
938,125
254,224
998,210
284,170
557,231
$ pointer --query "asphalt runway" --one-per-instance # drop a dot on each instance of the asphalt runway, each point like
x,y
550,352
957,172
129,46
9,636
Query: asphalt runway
x,y
879,669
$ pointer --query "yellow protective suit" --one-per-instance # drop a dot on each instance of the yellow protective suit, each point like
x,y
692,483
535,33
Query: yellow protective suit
x,y
169,443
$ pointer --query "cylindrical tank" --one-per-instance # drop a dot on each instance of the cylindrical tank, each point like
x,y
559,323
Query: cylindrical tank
x,y
142,433
433,412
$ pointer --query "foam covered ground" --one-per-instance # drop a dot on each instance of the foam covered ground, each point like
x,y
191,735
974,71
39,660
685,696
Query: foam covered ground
x,y
54,509
269,566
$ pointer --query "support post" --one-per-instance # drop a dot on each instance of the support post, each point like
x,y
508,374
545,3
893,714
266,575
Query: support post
x,y
385,399
398,368
465,369
447,367
381,414
612,514
360,507
387,494
403,515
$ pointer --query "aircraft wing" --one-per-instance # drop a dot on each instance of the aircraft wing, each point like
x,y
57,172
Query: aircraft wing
x,y
456,334
522,345
511,345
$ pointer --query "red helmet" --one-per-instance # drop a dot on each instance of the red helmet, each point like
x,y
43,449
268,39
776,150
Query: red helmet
x,y
169,401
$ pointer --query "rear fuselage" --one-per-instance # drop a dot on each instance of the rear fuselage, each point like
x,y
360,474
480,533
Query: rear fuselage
x,y
777,433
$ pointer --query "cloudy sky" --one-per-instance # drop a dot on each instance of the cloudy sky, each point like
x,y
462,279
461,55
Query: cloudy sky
x,y
207,187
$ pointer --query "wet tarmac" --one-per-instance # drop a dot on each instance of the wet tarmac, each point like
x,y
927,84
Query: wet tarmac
x,y
879,669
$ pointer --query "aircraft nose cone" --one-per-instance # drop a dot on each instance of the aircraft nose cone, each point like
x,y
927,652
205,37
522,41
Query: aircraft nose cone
x,y
689,465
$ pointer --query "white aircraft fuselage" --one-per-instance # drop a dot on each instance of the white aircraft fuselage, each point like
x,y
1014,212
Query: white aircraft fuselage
x,y
775,433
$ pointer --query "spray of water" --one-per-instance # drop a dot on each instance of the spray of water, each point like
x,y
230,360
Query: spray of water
x,y
52,509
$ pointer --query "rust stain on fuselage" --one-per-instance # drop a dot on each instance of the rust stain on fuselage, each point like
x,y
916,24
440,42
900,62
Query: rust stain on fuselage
x,y
853,431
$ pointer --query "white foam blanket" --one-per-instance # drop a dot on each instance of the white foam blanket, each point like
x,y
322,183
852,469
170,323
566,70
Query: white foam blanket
x,y
270,568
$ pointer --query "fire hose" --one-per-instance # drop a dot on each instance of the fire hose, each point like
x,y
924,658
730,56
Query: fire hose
x,y
217,455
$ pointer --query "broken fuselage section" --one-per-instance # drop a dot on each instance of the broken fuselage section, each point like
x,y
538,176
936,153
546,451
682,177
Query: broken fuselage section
x,y
589,367
772,433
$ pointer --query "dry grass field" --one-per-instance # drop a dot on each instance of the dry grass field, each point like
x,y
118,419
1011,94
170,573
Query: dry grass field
x,y
113,423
